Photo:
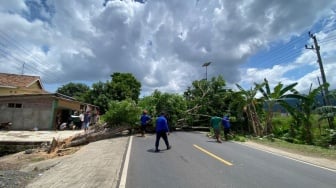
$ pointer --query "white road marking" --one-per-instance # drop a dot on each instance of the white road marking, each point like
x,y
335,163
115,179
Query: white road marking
x,y
291,158
123,178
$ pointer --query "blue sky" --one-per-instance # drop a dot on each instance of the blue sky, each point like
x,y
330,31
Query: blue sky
x,y
165,43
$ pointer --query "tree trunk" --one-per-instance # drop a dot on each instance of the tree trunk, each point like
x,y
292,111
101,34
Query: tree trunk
x,y
92,136
256,120
250,118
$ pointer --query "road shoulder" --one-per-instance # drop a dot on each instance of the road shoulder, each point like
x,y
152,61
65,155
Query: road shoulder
x,y
97,164
321,162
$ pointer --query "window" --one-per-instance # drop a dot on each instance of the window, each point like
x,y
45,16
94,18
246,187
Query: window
x,y
14,105
17,105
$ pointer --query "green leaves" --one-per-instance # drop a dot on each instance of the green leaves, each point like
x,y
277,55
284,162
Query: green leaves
x,y
172,104
75,90
122,112
124,86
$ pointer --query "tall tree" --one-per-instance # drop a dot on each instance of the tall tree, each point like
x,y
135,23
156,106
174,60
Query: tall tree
x,y
124,86
248,104
207,98
172,104
99,96
75,90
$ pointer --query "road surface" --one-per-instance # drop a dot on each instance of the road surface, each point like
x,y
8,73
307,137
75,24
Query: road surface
x,y
198,161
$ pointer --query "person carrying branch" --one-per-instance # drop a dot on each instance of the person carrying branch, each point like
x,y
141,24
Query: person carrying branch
x,y
215,123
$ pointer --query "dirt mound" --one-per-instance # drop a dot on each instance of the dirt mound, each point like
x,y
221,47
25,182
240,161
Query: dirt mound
x,y
10,165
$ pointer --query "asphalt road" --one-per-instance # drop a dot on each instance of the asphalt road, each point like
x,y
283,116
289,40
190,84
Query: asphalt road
x,y
198,161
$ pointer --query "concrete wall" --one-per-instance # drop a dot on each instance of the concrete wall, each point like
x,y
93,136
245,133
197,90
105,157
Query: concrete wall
x,y
34,112
27,112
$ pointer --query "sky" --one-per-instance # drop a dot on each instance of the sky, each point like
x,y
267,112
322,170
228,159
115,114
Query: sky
x,y
165,43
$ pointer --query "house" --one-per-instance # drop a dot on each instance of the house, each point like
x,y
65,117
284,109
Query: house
x,y
14,84
25,104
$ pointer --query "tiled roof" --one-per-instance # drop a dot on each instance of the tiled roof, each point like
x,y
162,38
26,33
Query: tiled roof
x,y
15,80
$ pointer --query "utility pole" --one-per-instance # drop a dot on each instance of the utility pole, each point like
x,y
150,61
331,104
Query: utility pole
x,y
322,92
325,94
316,47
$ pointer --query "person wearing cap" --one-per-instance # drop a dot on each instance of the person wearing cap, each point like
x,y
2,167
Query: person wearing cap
x,y
145,119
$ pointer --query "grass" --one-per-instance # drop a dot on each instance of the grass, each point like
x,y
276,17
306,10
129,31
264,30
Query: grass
x,y
307,150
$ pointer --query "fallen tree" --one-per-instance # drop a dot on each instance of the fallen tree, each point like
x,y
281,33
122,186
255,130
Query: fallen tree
x,y
96,133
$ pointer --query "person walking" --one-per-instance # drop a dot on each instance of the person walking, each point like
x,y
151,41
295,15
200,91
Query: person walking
x,y
215,123
144,120
162,130
226,125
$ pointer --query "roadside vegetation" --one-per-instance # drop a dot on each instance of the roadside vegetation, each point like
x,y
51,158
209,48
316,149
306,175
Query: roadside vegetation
x,y
279,115
303,149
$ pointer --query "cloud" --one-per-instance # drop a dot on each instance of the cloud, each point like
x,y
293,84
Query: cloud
x,y
162,43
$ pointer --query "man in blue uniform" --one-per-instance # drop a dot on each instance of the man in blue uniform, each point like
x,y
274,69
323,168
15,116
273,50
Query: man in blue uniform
x,y
226,124
144,120
162,130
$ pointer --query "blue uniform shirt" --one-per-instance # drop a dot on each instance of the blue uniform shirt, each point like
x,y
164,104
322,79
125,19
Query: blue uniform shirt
x,y
144,119
226,122
161,124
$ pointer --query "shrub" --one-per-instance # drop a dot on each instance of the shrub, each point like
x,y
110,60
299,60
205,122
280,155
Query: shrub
x,y
326,140
122,112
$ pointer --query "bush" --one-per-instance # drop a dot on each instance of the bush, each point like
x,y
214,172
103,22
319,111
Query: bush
x,y
280,126
326,140
122,112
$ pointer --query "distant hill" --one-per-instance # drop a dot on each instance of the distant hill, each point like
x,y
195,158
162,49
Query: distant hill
x,y
294,102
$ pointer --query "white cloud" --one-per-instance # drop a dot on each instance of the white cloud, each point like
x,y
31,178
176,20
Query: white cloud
x,y
162,43
12,6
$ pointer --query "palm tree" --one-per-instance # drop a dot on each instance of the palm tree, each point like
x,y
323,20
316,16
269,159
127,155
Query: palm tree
x,y
302,113
272,98
249,106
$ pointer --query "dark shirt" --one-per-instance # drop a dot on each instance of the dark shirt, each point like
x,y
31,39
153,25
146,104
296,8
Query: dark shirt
x,y
144,119
226,122
161,124
87,118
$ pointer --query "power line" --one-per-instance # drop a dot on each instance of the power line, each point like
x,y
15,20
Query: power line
x,y
18,57
278,55
327,40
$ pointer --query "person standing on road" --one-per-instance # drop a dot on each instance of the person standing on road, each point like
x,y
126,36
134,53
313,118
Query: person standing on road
x,y
87,120
81,119
215,123
226,125
144,120
162,130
